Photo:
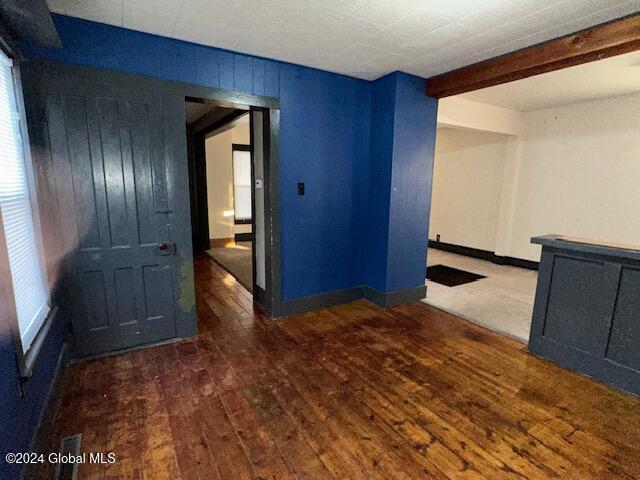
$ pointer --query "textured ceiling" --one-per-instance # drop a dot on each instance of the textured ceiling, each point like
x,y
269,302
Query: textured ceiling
x,y
361,38
605,78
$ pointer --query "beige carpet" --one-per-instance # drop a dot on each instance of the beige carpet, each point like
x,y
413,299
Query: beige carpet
x,y
237,260
502,302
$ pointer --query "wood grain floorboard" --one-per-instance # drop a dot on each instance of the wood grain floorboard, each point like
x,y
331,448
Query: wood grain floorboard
x,y
348,392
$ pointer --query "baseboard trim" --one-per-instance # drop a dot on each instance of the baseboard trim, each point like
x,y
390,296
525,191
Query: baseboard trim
x,y
484,255
40,440
316,302
243,237
324,300
220,242
517,262
391,299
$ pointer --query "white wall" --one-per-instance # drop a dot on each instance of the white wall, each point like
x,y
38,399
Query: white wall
x,y
464,113
467,184
218,150
572,170
579,174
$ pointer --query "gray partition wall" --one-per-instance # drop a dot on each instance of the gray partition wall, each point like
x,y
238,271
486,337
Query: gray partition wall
x,y
587,310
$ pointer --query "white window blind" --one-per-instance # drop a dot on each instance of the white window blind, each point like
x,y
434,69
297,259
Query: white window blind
x,y
242,184
27,273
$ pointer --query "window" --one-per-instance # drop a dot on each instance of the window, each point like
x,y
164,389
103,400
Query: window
x,y
17,207
242,183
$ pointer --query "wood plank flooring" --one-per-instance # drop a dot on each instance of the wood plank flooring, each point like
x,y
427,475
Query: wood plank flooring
x,y
344,393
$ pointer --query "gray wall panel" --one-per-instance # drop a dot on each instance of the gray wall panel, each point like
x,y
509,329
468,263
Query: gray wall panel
x,y
587,310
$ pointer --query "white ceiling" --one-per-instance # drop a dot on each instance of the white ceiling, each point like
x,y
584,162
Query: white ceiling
x,y
361,38
605,78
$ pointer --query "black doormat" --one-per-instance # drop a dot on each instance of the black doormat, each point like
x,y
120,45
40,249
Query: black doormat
x,y
451,277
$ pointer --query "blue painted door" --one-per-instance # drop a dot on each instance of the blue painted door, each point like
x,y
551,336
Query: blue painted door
x,y
108,143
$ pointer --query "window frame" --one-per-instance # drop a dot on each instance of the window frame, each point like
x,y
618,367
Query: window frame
x,y
240,147
26,359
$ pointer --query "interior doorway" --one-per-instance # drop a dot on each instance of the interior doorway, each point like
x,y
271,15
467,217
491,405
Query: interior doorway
x,y
226,150
465,273
522,159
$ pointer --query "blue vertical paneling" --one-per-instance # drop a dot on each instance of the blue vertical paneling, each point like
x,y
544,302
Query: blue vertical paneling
x,y
242,73
258,76
178,63
381,155
271,79
410,193
403,126
206,61
226,70
360,184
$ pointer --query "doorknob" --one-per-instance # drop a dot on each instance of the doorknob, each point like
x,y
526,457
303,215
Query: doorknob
x,y
166,248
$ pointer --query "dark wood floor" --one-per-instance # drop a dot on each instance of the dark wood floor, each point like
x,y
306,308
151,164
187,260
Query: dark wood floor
x,y
348,392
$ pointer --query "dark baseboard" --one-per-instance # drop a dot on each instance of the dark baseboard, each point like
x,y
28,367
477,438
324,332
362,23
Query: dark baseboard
x,y
40,441
244,237
324,300
517,262
316,302
391,299
220,242
484,255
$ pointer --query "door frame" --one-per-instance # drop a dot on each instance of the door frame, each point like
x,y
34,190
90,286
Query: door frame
x,y
196,135
175,94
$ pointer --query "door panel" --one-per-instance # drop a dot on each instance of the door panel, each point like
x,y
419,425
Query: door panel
x,y
109,152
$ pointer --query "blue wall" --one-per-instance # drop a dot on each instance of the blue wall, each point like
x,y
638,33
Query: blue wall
x,y
403,129
324,137
414,137
379,182
19,415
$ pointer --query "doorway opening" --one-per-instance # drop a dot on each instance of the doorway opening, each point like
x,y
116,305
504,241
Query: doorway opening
x,y
525,159
227,150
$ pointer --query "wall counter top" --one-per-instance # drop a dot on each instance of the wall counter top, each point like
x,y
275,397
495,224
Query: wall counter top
x,y
588,245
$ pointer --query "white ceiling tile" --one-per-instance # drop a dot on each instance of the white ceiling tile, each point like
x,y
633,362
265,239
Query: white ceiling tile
x,y
380,12
521,27
206,11
499,13
361,53
344,6
453,9
145,19
57,6
363,38
417,25
165,7
621,10
200,33
103,11
361,70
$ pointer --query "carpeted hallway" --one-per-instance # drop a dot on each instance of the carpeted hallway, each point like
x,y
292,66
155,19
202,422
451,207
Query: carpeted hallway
x,y
236,258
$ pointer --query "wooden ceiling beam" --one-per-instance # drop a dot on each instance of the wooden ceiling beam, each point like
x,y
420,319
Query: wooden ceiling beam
x,y
595,43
